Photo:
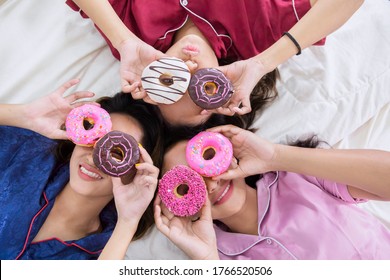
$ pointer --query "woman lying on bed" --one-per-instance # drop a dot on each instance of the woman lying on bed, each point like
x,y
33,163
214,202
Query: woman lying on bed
x,y
59,205
248,37
283,202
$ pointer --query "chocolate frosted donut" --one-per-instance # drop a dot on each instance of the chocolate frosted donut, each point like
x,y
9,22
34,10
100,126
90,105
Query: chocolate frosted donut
x,y
116,153
166,80
209,88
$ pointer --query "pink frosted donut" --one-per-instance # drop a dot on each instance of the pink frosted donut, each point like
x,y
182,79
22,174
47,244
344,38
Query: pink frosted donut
x,y
209,153
182,190
86,124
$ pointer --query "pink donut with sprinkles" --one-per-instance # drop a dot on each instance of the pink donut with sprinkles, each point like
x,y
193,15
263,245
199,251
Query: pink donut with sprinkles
x,y
209,153
86,124
209,88
182,190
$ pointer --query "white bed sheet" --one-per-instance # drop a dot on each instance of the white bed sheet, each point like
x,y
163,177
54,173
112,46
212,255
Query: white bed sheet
x,y
44,44
374,134
333,90
340,92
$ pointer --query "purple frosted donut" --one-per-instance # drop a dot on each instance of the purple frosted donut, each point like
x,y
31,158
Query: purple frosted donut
x,y
209,88
116,153
209,153
182,190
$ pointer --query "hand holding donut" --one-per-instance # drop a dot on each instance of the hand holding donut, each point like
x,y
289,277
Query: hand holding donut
x,y
132,199
244,75
47,115
254,154
195,237
135,56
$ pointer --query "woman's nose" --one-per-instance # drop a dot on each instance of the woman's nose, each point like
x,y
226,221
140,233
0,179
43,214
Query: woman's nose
x,y
89,154
212,185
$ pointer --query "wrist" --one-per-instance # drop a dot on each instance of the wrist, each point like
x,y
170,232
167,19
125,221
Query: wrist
x,y
126,229
276,162
128,224
22,110
279,52
121,40
292,159
30,116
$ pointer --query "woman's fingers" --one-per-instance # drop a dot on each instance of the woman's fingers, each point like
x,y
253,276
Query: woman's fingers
x,y
67,85
81,103
225,111
242,108
227,130
135,88
71,98
205,212
116,182
60,134
145,157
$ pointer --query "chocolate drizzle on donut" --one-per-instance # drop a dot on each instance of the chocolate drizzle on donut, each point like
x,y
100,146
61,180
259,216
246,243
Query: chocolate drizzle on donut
x,y
116,153
166,80
209,88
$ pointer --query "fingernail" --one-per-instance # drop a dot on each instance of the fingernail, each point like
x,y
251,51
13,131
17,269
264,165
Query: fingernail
x,y
140,145
137,164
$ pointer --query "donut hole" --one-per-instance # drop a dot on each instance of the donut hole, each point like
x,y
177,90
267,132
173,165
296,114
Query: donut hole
x,y
166,79
181,190
88,123
210,88
209,153
117,154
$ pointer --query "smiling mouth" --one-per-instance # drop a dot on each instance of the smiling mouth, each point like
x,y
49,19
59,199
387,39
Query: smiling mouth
x,y
225,191
89,173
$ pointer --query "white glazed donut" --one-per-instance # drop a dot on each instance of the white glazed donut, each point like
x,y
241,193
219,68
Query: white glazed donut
x,y
166,80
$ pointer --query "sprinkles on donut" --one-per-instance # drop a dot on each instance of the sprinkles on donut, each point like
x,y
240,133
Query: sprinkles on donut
x,y
209,153
182,190
209,88
116,153
86,124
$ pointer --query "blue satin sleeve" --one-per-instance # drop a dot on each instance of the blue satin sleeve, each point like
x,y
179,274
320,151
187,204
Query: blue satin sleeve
x,y
26,163
20,145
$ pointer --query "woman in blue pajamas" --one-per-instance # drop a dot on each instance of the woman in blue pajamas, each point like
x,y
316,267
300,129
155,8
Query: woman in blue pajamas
x,y
55,204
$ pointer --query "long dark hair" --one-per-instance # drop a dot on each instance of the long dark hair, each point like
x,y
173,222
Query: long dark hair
x,y
149,118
